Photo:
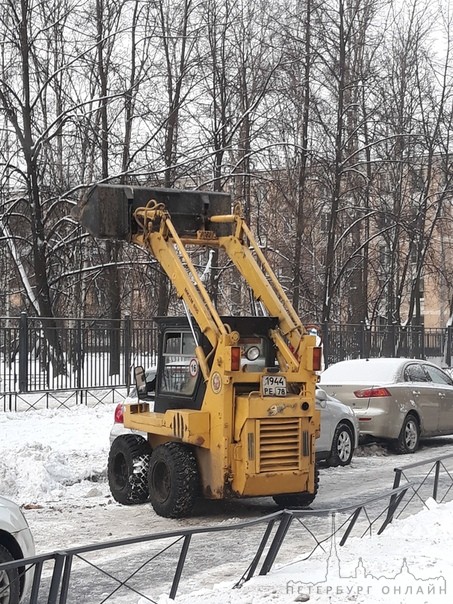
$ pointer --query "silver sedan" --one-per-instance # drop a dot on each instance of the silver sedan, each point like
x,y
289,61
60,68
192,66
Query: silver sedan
x,y
16,542
395,400
339,431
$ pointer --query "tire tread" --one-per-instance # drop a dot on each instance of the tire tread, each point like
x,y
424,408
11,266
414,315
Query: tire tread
x,y
183,467
137,453
334,460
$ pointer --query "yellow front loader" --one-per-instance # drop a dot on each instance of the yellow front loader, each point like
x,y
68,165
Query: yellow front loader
x,y
232,413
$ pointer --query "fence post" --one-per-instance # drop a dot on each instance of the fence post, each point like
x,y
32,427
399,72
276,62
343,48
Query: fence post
x,y
396,484
393,350
367,338
114,334
285,521
325,343
448,350
179,568
127,350
78,352
436,480
23,352
56,578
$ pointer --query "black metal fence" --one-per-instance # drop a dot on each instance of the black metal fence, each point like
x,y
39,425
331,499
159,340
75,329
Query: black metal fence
x,y
51,355
343,342
83,574
39,354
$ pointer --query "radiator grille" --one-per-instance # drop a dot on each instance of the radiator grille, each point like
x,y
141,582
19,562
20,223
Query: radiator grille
x,y
279,446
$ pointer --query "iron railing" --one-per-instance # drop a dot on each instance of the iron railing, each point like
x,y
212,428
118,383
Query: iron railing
x,y
39,354
43,355
53,572
343,342
436,484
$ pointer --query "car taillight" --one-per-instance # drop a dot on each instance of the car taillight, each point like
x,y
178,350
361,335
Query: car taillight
x,y
119,414
372,393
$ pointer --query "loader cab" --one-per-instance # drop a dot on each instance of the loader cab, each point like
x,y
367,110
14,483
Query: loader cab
x,y
179,380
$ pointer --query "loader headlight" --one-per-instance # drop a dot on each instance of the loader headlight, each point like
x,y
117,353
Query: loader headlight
x,y
252,353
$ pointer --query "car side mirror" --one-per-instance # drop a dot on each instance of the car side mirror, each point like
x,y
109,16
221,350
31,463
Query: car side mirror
x,y
140,381
321,397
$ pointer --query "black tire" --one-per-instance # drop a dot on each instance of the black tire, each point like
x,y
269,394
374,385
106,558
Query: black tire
x,y
298,500
127,469
173,480
409,438
9,580
342,447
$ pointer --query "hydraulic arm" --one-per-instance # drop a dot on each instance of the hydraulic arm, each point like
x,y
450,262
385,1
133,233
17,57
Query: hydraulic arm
x,y
157,233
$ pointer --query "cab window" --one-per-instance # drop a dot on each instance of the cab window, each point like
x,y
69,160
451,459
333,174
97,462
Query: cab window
x,y
180,370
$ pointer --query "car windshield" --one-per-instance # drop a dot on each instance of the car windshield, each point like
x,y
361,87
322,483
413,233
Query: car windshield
x,y
382,371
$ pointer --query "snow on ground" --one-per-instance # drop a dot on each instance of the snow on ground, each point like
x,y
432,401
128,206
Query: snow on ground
x,y
53,462
54,455
410,562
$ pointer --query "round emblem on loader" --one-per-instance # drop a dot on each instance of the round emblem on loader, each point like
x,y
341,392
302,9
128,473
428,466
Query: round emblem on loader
x,y
216,382
193,367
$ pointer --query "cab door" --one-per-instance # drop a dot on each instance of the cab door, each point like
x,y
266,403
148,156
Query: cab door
x,y
179,378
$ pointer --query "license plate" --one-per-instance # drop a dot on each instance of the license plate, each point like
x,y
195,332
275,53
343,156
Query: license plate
x,y
273,385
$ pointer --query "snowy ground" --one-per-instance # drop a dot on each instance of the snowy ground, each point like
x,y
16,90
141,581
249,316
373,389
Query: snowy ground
x,y
53,463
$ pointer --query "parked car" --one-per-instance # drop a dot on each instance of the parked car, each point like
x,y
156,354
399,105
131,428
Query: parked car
x,y
395,400
335,446
16,542
339,431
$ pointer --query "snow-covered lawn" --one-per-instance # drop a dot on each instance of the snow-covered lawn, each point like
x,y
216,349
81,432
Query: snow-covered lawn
x,y
53,462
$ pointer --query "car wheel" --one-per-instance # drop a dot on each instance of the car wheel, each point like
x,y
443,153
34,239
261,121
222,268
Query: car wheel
x,y
409,437
342,446
298,500
9,580
127,469
173,480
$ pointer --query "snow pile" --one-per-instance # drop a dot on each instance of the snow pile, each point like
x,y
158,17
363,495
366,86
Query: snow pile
x,y
53,454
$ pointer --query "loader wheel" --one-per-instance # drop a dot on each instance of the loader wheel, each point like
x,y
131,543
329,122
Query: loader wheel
x,y
127,469
173,480
298,500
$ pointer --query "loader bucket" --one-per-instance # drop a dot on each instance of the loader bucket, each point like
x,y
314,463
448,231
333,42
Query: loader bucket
x,y
106,211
